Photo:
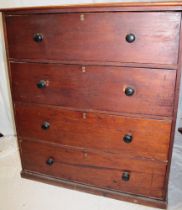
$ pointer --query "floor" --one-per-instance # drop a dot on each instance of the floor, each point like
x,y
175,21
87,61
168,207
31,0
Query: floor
x,y
17,193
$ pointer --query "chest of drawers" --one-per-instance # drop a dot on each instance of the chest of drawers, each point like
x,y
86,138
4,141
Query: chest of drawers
x,y
95,93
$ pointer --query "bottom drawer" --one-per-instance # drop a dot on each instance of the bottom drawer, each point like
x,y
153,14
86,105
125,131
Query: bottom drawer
x,y
108,171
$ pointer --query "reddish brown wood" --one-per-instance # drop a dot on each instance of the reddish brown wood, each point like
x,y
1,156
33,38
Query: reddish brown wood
x,y
167,37
99,7
162,204
98,63
97,169
95,87
175,110
97,131
99,36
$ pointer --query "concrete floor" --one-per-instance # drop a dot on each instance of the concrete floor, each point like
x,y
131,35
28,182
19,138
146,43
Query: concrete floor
x,y
17,193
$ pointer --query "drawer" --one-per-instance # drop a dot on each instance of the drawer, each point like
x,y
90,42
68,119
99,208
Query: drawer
x,y
103,170
152,37
116,89
115,134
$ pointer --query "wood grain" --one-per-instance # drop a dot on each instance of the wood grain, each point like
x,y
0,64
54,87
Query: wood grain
x,y
95,169
89,97
175,111
98,7
99,37
162,204
96,87
97,63
95,131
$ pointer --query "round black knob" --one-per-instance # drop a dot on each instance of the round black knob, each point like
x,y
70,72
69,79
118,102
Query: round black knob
x,y
41,84
38,37
128,138
130,38
125,176
50,161
129,91
45,125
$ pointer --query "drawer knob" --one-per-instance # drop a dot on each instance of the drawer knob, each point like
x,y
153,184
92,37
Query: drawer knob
x,y
45,125
129,91
41,84
125,176
38,37
128,138
130,38
50,161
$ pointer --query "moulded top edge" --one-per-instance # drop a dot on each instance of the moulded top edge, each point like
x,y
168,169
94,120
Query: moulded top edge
x,y
121,6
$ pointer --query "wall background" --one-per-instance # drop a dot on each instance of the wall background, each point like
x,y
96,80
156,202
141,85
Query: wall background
x,y
6,114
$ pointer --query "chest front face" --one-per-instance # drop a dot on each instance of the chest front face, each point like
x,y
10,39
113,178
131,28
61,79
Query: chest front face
x,y
95,93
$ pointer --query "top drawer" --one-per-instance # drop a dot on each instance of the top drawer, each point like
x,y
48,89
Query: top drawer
x,y
152,37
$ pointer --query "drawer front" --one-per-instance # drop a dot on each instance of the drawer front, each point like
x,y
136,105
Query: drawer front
x,y
116,89
152,37
115,134
133,176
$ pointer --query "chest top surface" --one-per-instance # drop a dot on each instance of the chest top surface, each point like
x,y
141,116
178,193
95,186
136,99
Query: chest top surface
x,y
91,7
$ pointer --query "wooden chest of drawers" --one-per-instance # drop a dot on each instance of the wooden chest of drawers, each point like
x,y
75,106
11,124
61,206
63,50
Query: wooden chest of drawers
x,y
95,93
